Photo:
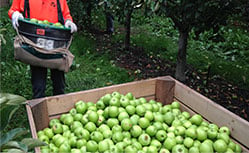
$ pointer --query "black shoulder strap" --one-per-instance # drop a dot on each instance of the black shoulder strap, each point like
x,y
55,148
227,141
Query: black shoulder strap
x,y
60,16
26,12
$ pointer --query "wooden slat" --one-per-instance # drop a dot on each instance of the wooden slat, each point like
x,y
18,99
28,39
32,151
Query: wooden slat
x,y
63,103
40,115
32,125
165,90
192,112
213,112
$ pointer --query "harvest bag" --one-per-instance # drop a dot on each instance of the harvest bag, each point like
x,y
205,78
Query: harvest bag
x,y
39,45
28,52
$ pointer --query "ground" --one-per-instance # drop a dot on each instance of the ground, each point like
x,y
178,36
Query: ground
x,y
219,90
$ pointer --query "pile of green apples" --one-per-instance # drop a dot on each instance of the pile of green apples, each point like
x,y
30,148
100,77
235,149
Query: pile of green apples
x,y
46,22
119,123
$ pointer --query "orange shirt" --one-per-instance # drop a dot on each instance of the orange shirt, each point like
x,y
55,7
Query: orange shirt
x,y
42,9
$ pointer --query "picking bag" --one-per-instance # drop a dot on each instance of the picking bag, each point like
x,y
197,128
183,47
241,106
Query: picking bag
x,y
28,52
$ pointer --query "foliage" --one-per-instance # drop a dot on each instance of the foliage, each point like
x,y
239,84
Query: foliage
x,y
189,16
9,105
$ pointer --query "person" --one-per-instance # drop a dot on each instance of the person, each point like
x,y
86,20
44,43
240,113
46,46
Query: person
x,y
109,19
54,11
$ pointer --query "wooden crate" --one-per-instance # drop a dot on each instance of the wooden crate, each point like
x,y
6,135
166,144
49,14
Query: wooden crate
x,y
162,89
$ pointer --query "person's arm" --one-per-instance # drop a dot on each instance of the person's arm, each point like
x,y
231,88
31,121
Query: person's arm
x,y
14,7
65,11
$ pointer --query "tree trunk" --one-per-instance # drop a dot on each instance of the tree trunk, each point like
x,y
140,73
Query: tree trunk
x,y
181,57
128,29
89,15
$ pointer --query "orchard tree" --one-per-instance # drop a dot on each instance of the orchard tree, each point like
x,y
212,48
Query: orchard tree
x,y
122,10
81,11
188,15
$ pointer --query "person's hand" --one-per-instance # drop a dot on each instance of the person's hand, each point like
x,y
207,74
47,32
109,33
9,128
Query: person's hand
x,y
70,24
15,16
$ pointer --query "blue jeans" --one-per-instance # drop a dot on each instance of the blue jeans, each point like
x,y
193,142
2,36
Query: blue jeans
x,y
39,79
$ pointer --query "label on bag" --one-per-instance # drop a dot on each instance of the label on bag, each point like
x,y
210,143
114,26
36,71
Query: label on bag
x,y
40,32
45,43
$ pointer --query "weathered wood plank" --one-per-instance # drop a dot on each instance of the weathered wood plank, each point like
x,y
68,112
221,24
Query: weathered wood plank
x,y
165,90
40,115
213,112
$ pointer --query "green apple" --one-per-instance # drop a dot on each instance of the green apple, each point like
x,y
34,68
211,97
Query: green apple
x,y
140,110
161,135
212,133
57,128
44,138
68,120
205,148
152,149
201,134
232,145
224,137
117,137
136,131
193,150
164,150
130,109
90,126
186,115
116,128
114,101
59,141
175,105
188,142
58,24
134,119
155,108
96,136
75,125
53,121
46,22
187,124
180,130
176,122
103,146
143,122
101,120
158,117
82,133
107,134
103,127
73,141
151,130
144,139
124,101
48,132
169,143
179,139
168,118
107,99
156,143
130,149
166,109
224,129
129,95
91,146
126,134
220,145
93,117
213,126
123,115
137,145
238,148
126,124
113,111
100,105
80,143
65,147
158,125
196,119
179,149
112,121
33,20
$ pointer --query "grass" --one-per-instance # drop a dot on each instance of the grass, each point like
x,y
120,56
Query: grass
x,y
228,59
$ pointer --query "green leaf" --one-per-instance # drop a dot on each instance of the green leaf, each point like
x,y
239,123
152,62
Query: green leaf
x,y
13,99
6,113
5,138
15,145
15,151
32,143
